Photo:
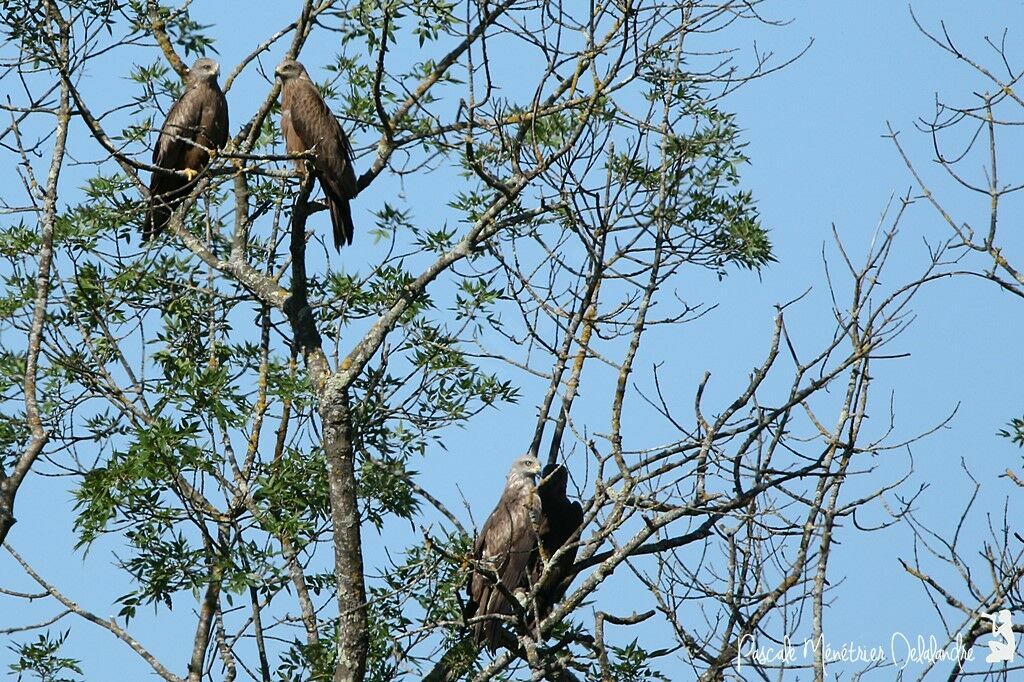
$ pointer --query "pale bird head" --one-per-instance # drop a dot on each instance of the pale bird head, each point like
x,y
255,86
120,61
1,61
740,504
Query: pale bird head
x,y
288,69
204,69
526,466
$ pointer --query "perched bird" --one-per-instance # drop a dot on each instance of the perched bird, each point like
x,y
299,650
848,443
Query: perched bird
x,y
196,125
309,125
505,545
559,523
526,528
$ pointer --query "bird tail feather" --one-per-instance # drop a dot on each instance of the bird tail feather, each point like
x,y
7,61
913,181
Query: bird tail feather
x,y
341,220
165,193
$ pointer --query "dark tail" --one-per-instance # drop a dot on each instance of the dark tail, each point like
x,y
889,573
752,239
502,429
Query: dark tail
x,y
482,631
341,220
486,633
165,193
157,217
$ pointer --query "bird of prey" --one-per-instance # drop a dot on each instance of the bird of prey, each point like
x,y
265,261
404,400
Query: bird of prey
x,y
559,523
196,125
526,528
308,125
505,545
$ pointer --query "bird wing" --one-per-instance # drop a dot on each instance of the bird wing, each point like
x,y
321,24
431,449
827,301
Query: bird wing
x,y
505,544
315,127
215,119
179,130
511,539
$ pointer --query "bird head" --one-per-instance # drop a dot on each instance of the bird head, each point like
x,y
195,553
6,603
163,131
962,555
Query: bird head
x,y
288,69
526,466
204,69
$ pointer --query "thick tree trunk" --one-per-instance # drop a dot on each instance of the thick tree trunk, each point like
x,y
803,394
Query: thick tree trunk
x,y
353,637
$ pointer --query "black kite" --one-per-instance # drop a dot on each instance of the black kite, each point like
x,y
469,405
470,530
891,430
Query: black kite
x,y
308,125
196,125
527,527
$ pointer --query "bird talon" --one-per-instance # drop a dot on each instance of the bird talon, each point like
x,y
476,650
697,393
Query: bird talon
x,y
190,173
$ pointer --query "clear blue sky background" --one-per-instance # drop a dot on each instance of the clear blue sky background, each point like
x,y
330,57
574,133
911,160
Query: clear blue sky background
x,y
815,133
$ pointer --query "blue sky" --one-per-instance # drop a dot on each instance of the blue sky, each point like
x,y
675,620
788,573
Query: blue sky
x,y
818,157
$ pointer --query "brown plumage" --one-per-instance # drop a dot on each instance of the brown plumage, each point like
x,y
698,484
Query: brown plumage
x,y
197,122
308,124
505,545
526,528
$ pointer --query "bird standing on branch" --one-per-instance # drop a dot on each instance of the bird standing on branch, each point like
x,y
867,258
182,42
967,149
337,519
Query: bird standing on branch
x,y
518,540
196,126
309,126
